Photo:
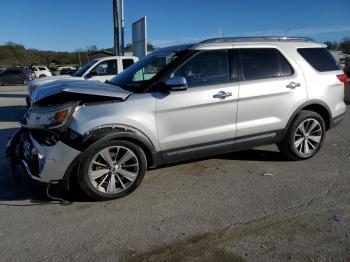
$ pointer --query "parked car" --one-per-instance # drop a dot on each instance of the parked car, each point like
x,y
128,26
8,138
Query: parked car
x,y
16,75
100,69
180,103
68,71
40,71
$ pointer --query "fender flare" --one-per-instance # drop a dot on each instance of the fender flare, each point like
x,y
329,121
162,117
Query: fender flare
x,y
301,107
154,158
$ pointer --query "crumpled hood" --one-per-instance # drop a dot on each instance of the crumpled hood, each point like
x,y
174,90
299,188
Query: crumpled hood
x,y
94,88
38,82
44,80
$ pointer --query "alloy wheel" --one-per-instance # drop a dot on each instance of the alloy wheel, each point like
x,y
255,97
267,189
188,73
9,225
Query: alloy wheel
x,y
113,169
308,137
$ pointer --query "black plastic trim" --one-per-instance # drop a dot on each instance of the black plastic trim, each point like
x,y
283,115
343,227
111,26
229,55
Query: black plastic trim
x,y
221,147
337,120
82,143
301,107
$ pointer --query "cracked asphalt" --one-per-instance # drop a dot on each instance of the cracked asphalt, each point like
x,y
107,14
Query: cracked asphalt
x,y
217,209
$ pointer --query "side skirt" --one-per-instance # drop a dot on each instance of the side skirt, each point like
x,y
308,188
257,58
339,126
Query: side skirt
x,y
221,147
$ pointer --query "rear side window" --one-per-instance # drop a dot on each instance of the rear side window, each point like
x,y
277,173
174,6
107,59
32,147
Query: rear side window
x,y
319,58
127,63
260,63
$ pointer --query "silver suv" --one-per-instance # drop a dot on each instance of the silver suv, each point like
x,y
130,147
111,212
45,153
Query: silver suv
x,y
180,103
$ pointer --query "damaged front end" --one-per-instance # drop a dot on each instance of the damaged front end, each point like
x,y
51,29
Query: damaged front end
x,y
40,146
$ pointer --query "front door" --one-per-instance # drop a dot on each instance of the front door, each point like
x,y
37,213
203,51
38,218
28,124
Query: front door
x,y
203,117
105,70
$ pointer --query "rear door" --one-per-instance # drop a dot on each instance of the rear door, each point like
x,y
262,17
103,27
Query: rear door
x,y
270,90
203,117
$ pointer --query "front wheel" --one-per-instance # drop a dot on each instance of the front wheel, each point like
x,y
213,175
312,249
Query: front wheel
x,y
304,137
112,169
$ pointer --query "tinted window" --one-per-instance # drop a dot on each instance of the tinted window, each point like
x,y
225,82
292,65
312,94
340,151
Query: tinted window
x,y
13,72
127,63
259,63
106,68
205,68
319,58
42,68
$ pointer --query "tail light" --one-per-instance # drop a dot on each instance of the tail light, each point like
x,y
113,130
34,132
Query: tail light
x,y
343,78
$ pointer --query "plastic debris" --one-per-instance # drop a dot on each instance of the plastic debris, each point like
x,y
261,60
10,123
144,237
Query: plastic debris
x,y
337,218
267,174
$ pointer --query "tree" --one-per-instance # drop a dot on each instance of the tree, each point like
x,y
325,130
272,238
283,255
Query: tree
x,y
331,45
344,45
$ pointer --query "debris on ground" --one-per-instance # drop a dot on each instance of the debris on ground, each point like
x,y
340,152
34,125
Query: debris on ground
x,y
267,174
337,218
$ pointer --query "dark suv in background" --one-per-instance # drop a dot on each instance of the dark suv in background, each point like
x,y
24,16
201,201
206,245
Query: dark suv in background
x,y
15,76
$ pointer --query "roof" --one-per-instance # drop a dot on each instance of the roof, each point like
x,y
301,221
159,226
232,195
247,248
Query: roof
x,y
217,42
257,39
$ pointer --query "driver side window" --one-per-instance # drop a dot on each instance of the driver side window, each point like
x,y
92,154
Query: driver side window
x,y
206,68
106,68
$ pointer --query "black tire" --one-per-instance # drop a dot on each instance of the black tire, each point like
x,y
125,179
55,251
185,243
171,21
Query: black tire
x,y
287,146
41,76
83,170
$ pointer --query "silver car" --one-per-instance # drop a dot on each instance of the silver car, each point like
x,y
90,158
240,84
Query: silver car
x,y
180,103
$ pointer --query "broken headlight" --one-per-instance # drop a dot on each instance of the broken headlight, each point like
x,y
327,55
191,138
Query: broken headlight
x,y
50,117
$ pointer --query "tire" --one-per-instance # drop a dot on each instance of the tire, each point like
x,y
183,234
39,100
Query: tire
x,y
299,145
101,179
41,76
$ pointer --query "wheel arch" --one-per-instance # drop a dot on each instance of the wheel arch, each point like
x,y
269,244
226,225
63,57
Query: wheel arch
x,y
317,106
153,157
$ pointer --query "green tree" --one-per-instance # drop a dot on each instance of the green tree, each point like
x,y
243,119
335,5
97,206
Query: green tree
x,y
344,45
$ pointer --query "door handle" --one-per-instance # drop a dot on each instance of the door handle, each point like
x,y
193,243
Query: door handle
x,y
292,85
222,95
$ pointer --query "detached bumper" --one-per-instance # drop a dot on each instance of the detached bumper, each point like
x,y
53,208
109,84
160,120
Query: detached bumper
x,y
43,163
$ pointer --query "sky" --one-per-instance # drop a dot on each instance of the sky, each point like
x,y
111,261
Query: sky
x,y
67,25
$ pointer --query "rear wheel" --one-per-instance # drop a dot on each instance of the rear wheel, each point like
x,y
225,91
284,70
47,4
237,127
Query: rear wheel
x,y
112,170
41,76
304,137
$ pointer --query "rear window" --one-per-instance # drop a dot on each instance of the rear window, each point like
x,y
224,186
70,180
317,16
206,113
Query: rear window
x,y
319,58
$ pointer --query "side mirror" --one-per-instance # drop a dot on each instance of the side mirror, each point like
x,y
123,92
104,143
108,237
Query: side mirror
x,y
177,83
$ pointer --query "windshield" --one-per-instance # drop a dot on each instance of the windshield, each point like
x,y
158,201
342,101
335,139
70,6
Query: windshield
x,y
135,76
83,69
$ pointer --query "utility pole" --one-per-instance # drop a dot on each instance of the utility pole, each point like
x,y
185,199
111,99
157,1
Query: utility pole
x,y
123,24
116,23
79,58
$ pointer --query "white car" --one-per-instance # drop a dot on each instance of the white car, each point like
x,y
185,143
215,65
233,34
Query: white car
x,y
41,71
100,69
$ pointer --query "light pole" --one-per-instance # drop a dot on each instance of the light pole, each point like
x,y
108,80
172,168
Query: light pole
x,y
123,24
116,27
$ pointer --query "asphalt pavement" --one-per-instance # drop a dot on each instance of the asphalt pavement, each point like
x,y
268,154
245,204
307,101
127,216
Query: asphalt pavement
x,y
246,206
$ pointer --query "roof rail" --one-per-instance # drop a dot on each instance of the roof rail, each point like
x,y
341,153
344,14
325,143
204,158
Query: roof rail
x,y
257,38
